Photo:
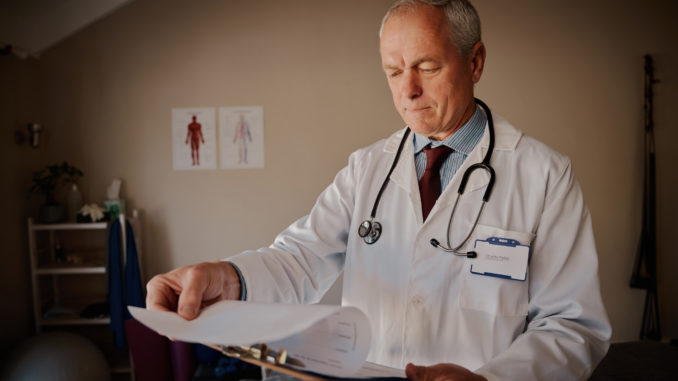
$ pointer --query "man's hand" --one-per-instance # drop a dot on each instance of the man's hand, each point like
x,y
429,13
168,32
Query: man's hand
x,y
188,289
440,372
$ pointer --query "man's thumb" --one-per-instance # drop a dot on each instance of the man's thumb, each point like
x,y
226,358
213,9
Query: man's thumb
x,y
413,372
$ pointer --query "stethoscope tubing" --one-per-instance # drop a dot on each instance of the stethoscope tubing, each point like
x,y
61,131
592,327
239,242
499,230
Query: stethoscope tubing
x,y
370,230
390,171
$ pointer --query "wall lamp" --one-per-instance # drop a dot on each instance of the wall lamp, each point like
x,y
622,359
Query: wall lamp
x,y
34,131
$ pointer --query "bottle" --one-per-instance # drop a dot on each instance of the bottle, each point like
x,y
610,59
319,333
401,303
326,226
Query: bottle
x,y
74,202
59,255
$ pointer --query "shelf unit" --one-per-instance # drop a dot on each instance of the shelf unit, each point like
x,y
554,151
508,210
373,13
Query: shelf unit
x,y
63,289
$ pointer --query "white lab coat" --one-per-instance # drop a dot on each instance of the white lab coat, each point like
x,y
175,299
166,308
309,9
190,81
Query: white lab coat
x,y
423,304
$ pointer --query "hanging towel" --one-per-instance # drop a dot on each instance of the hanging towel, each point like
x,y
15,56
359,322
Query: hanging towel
x,y
122,290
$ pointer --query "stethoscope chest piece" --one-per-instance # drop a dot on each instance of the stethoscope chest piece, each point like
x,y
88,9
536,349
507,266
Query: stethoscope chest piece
x,y
370,231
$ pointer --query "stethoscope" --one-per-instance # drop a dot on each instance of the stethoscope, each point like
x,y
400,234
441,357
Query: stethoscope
x,y
370,230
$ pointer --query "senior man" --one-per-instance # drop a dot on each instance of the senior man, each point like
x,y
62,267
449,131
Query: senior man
x,y
429,306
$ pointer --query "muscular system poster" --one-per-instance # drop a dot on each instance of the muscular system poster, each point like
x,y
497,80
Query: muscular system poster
x,y
194,138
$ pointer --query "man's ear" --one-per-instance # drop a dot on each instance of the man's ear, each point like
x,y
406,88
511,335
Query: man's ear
x,y
477,61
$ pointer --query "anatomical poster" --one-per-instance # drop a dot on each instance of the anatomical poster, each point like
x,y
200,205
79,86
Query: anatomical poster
x,y
241,137
194,138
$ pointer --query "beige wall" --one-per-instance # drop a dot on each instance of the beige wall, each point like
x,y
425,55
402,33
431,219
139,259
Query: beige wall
x,y
571,74
570,78
18,91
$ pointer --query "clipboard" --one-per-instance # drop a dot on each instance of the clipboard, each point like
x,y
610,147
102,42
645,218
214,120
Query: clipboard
x,y
501,258
278,361
309,342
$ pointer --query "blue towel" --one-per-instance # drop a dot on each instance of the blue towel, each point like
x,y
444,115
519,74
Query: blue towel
x,y
124,290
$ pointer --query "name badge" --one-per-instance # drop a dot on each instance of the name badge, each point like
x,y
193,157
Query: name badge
x,y
502,258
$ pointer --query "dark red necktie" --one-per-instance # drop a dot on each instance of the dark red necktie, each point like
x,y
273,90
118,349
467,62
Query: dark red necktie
x,y
429,185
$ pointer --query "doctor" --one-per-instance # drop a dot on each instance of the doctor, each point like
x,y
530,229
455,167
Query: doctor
x,y
427,306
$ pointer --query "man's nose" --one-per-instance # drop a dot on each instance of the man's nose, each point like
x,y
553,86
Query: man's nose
x,y
411,85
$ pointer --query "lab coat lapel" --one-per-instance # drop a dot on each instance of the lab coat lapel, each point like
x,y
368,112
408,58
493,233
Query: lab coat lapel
x,y
404,175
506,139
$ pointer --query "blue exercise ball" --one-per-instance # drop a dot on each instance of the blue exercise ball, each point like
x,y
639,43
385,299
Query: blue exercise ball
x,y
56,356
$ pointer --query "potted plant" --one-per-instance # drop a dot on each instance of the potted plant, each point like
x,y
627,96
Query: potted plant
x,y
45,183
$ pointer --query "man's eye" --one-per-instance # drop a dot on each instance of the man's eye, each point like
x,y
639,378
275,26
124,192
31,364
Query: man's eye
x,y
427,69
394,74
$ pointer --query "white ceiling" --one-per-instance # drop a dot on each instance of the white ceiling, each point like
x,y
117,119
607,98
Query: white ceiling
x,y
32,26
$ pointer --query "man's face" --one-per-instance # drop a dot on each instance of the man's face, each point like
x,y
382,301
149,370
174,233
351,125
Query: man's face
x,y
431,83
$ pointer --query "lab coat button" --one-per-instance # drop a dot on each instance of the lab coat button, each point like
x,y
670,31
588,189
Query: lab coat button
x,y
417,300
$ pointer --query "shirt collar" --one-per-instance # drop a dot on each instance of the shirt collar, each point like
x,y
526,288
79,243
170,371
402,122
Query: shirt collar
x,y
463,140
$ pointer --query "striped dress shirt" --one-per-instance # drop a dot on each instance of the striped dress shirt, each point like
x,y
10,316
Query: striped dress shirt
x,y
462,143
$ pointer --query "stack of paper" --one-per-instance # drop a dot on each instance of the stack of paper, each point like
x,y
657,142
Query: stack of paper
x,y
328,340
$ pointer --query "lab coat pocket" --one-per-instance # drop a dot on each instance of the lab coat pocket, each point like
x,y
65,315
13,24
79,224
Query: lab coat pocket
x,y
497,296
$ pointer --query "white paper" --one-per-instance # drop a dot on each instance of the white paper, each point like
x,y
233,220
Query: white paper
x,y
336,345
241,137
372,370
328,339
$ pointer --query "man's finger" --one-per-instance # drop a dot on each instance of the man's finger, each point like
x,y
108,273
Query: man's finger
x,y
191,297
160,295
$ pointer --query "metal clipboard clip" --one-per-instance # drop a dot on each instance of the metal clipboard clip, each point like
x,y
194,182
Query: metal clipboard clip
x,y
263,353
264,356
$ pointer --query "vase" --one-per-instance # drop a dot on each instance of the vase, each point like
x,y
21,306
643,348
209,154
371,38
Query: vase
x,y
74,202
52,213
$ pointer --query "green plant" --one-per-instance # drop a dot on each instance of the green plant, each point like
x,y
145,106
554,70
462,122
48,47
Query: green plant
x,y
46,180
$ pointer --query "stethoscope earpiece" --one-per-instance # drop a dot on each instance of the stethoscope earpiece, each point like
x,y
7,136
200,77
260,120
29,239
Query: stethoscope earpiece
x,y
470,254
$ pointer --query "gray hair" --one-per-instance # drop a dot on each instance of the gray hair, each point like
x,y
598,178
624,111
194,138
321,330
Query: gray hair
x,y
462,19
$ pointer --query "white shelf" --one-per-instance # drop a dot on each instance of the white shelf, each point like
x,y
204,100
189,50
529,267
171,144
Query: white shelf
x,y
59,321
71,226
63,289
70,270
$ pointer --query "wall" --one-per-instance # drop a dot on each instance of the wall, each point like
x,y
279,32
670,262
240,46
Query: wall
x,y
570,77
18,106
